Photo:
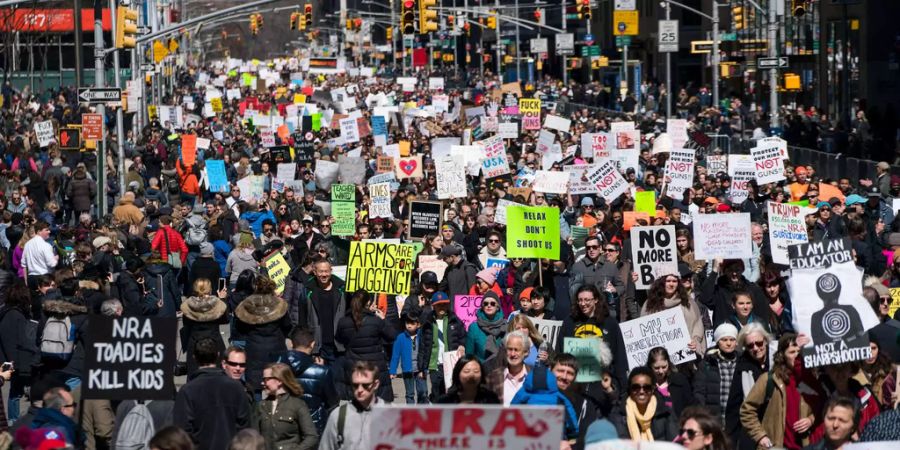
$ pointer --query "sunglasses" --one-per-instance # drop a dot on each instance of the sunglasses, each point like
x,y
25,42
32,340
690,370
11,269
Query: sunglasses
x,y
641,387
494,240
71,405
691,434
365,386
269,378
592,247
757,344
488,303
235,364
609,250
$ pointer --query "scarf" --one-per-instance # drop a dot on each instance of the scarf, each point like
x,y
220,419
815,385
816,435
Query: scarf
x,y
493,329
639,424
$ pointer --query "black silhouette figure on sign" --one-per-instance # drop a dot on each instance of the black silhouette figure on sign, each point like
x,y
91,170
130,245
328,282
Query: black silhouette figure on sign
x,y
834,322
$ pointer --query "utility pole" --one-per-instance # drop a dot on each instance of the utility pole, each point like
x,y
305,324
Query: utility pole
x,y
120,119
669,69
100,81
565,69
395,27
497,29
518,47
79,57
715,53
772,20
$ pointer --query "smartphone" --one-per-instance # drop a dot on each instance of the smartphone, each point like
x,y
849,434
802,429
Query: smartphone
x,y
6,366
221,283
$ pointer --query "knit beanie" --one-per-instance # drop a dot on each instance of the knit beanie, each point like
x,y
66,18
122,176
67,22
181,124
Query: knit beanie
x,y
725,330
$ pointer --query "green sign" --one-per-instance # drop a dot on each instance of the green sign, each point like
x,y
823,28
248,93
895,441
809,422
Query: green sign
x,y
622,41
343,209
728,37
590,50
532,232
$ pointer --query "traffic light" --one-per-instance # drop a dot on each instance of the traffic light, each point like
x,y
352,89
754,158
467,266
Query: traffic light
x,y
584,10
294,17
389,34
492,20
427,16
737,14
408,17
307,19
126,27
450,22
254,25
798,8
539,16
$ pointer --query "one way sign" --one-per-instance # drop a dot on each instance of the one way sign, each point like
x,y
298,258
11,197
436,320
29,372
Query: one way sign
x,y
100,95
772,63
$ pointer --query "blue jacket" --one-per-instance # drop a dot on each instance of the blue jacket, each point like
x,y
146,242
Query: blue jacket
x,y
60,423
319,391
403,353
256,219
476,338
222,249
540,389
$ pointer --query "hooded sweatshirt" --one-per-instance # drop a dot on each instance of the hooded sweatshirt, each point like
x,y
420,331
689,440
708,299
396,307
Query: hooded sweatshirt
x,y
239,261
540,389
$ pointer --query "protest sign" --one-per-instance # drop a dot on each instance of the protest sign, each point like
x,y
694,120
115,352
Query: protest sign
x,y
449,360
532,232
215,170
465,426
432,263
465,307
408,167
551,182
379,126
595,145
44,133
500,210
548,329
252,188
654,254
326,173
278,270
677,131
787,226
188,149
627,150
343,209
494,163
352,169
679,171
266,138
587,352
436,83
578,181
778,143
837,318
716,164
496,263
286,171
379,267
741,171
895,302
384,164
508,130
645,201
349,130
557,123
768,163
530,108
545,141
441,103
608,180
666,328
129,358
424,219
450,175
725,236
380,200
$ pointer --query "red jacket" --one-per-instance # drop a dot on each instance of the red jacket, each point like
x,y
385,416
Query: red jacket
x,y
176,243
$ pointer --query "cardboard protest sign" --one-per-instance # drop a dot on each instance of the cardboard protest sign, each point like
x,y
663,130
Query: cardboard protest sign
x,y
787,226
679,171
530,108
500,210
833,313
578,181
895,302
608,180
645,201
278,270
432,263
725,236
215,171
129,358
450,175
741,170
508,130
379,267
44,133
424,218
532,232
551,182
627,149
677,131
768,163
466,426
343,209
496,263
352,169
408,167
326,173
252,188
587,353
595,145
778,143
380,200
548,329
465,307
716,164
557,123
495,162
653,253
663,329
349,130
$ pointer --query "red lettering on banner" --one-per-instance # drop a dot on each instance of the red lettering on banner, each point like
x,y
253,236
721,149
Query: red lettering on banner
x,y
511,418
765,164
425,421
465,419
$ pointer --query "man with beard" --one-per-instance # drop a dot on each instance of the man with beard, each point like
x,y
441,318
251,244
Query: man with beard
x,y
721,284
310,208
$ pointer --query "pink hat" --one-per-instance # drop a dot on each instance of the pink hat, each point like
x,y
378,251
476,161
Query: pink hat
x,y
488,275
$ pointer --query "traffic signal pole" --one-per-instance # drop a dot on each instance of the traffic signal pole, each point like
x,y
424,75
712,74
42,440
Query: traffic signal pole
x,y
120,126
497,30
565,69
100,81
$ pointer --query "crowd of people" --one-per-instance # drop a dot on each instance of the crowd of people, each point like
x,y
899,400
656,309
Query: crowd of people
x,y
301,363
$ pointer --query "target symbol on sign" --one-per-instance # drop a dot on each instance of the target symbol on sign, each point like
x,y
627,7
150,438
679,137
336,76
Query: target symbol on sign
x,y
836,323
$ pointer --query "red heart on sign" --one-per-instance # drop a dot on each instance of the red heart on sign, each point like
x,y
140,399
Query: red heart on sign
x,y
408,166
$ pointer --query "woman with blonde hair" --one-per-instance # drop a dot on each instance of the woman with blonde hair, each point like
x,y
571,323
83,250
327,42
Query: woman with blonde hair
x,y
521,322
202,314
283,417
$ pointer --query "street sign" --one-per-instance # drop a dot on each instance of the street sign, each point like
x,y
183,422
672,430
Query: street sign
x,y
727,37
668,36
539,45
772,63
565,44
69,138
622,41
100,95
701,47
588,39
625,23
92,126
625,5
590,50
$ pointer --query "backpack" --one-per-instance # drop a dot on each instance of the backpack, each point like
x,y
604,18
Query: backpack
x,y
136,430
194,234
58,339
172,186
342,418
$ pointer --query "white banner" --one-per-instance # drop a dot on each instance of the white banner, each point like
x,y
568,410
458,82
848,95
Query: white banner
x,y
551,182
725,236
664,329
608,181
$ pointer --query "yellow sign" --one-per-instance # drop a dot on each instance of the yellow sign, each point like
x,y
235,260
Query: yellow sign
x,y
173,45
299,98
278,270
159,51
379,267
216,103
625,23
151,111
895,302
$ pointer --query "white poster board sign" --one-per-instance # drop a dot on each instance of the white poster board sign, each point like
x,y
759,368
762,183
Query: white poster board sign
x,y
666,329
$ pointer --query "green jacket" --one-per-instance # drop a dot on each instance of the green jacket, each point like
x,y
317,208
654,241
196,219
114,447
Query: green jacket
x,y
289,426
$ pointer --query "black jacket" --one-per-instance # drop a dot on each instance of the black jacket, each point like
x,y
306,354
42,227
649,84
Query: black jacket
x,y
609,330
134,302
733,428
455,335
161,281
707,382
205,268
18,342
317,382
77,313
680,392
458,279
716,294
664,424
7,278
211,408
368,342
264,338
193,331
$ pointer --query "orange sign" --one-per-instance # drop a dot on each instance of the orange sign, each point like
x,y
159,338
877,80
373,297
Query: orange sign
x,y
92,126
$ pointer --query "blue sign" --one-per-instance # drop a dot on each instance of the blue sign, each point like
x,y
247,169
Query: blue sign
x,y
496,262
379,126
215,169
589,39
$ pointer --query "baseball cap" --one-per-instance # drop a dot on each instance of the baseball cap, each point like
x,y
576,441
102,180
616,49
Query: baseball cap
x,y
450,250
440,298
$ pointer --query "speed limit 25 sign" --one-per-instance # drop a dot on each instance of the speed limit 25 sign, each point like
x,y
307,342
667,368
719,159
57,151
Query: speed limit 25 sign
x,y
668,36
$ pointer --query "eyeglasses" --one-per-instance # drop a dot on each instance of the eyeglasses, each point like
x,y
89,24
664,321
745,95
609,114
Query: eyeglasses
x,y
488,303
609,250
641,387
269,378
235,364
592,247
494,240
71,405
365,386
757,344
691,434
885,300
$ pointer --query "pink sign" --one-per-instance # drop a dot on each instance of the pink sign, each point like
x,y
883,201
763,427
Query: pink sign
x,y
465,307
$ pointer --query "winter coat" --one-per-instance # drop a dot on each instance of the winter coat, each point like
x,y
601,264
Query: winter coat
x,y
18,342
773,410
134,300
707,382
295,294
663,426
222,250
239,261
287,427
716,294
692,318
81,192
476,338
366,343
7,278
680,392
161,280
454,336
609,330
193,331
312,312
458,279
256,218
540,389
76,311
175,243
127,213
746,372
211,408
317,382
53,419
264,335
598,273
402,354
